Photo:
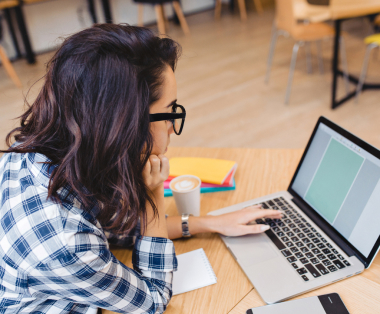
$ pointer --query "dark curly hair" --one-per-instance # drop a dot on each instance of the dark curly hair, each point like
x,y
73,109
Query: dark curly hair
x,y
91,118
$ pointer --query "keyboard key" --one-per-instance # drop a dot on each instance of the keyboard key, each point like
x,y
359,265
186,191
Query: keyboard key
x,y
312,229
301,226
299,255
303,219
314,260
286,253
284,207
309,225
289,212
315,240
281,224
316,251
326,262
276,229
276,200
292,226
304,277
302,271
265,206
309,255
321,245
280,204
318,235
294,239
301,235
338,264
306,230
285,239
346,263
299,215
321,256
329,245
322,269
297,221
340,257
331,256
293,216
290,234
270,203
326,251
275,239
311,235
332,268
323,240
291,259
272,224
288,221
294,265
305,240
275,207
289,244
280,234
304,250
296,230
299,244
310,245
294,211
294,249
313,271
335,251
285,229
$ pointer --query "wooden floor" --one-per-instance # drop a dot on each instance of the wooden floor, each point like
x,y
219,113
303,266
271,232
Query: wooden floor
x,y
221,83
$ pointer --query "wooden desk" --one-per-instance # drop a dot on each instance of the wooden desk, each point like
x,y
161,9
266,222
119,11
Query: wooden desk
x,y
340,10
260,172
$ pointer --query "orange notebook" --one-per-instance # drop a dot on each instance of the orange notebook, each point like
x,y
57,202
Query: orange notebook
x,y
209,170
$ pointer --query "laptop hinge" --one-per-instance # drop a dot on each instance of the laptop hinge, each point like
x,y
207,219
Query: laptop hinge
x,y
326,229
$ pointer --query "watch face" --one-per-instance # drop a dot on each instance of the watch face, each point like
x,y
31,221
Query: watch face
x,y
185,226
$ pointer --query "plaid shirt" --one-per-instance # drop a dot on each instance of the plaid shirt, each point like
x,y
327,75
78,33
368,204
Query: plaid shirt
x,y
56,258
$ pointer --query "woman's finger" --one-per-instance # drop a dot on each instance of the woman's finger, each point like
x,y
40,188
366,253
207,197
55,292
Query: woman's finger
x,y
164,166
248,229
155,165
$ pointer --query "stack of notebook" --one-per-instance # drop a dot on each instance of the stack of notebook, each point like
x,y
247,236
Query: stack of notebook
x,y
216,174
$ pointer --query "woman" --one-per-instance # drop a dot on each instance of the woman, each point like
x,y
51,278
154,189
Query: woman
x,y
87,169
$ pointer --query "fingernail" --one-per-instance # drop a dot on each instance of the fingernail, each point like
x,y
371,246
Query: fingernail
x,y
264,227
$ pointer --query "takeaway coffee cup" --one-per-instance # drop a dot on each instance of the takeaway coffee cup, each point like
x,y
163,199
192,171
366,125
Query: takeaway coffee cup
x,y
187,194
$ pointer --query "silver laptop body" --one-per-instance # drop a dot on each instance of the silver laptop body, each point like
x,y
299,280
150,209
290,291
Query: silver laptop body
x,y
333,201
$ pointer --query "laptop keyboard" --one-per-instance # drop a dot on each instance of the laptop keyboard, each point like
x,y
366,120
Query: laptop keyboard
x,y
308,252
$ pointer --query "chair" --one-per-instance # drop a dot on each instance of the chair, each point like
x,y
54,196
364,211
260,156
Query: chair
x,y
242,9
3,56
304,33
372,42
161,19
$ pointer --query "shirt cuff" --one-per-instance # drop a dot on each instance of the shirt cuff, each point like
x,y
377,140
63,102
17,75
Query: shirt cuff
x,y
154,254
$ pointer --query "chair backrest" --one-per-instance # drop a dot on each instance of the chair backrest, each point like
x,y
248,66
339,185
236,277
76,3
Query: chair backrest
x,y
285,19
5,4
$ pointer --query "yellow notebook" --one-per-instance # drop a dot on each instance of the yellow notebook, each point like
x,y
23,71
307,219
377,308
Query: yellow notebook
x,y
209,170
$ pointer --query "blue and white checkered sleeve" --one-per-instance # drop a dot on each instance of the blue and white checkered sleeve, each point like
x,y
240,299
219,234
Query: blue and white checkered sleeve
x,y
97,279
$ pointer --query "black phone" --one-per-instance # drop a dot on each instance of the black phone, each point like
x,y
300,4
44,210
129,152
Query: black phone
x,y
323,304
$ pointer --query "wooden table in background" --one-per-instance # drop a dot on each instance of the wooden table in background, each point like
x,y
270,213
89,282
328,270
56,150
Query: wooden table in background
x,y
260,172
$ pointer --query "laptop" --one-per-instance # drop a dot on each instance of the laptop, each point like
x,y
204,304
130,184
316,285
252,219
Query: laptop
x,y
330,230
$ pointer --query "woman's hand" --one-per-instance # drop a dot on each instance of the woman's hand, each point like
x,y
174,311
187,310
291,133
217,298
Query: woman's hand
x,y
237,223
156,171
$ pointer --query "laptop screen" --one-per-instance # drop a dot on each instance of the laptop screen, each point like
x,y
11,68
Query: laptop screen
x,y
341,182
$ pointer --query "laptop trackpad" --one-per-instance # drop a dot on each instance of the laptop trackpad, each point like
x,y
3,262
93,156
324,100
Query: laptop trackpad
x,y
251,249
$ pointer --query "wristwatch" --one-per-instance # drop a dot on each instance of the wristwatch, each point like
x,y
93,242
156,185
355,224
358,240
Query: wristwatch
x,y
185,225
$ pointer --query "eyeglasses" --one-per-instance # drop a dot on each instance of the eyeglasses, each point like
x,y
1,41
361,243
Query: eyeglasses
x,y
176,117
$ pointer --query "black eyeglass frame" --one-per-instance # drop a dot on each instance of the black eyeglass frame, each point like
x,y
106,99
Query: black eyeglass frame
x,y
154,117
